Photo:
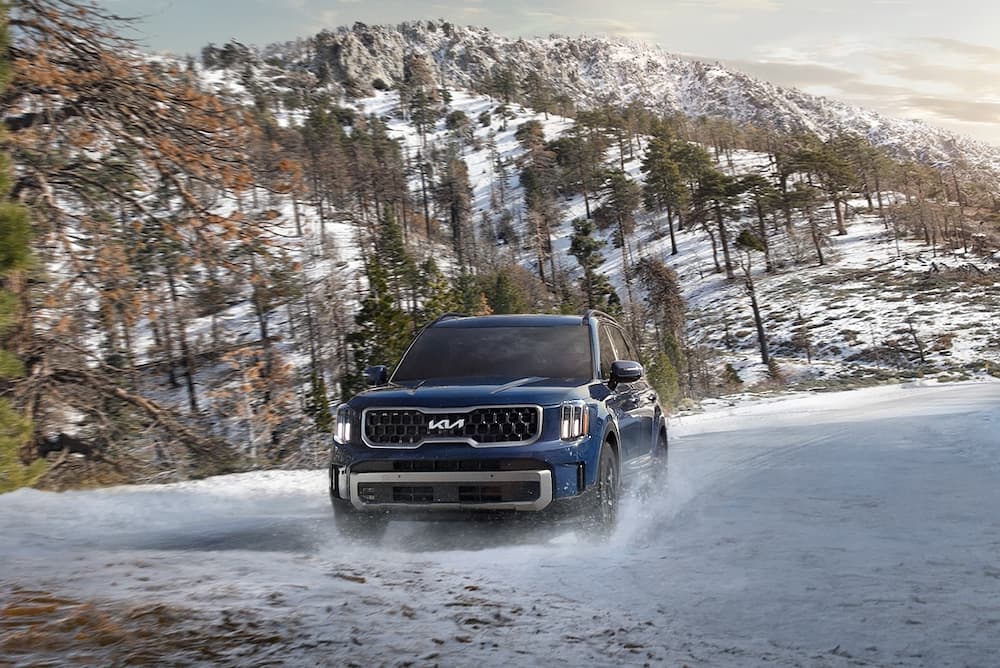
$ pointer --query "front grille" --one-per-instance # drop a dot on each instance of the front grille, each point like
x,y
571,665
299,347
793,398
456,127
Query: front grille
x,y
402,494
465,493
480,494
409,427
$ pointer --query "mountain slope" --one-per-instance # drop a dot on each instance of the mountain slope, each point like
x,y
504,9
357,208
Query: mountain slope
x,y
861,316
590,70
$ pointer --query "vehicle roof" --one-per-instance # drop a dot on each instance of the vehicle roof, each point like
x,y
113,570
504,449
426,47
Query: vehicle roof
x,y
521,320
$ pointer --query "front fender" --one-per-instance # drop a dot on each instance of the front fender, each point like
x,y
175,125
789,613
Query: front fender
x,y
609,433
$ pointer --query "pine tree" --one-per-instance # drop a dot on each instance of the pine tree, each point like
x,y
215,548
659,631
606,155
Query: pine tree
x,y
470,297
763,200
664,188
504,296
454,195
717,198
382,330
318,403
387,173
623,198
692,161
459,123
748,243
109,146
807,199
731,380
597,290
540,180
390,251
505,84
664,378
538,92
834,173
801,339
665,299
436,295
840,176
783,151
580,154
419,93
15,259
324,156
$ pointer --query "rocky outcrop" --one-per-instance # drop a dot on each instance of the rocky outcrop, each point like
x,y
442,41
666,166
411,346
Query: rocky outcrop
x,y
591,71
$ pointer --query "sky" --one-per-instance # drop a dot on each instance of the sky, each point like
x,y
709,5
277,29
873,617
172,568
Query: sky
x,y
935,61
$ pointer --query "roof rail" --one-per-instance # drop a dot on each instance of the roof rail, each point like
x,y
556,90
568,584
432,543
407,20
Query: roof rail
x,y
446,316
588,313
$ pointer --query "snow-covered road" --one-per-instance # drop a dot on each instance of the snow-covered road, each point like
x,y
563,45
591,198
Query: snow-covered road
x,y
860,528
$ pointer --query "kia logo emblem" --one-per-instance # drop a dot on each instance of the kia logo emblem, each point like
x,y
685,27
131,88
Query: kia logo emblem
x,y
445,424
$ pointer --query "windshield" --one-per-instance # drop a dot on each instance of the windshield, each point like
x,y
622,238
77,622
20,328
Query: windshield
x,y
501,353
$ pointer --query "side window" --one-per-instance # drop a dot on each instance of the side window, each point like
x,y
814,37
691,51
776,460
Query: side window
x,y
607,352
618,339
623,345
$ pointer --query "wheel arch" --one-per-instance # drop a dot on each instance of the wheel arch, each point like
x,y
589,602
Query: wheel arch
x,y
612,438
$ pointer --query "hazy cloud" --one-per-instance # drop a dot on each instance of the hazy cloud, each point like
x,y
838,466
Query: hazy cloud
x,y
467,10
734,5
794,74
547,16
944,81
986,55
957,110
616,28
328,18
938,67
874,91
970,81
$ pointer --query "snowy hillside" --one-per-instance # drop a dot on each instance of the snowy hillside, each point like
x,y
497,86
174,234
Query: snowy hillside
x,y
865,312
592,71
311,205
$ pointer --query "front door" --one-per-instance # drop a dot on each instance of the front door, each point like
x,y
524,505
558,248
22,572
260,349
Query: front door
x,y
628,402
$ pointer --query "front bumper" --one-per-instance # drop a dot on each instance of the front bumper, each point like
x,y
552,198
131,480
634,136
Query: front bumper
x,y
456,477
480,490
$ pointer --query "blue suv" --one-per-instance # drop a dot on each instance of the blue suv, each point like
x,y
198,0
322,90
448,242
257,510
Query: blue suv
x,y
519,414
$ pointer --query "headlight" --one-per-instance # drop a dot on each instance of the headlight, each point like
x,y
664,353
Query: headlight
x,y
342,428
574,420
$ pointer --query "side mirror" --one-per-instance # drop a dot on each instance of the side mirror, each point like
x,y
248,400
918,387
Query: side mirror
x,y
376,375
624,371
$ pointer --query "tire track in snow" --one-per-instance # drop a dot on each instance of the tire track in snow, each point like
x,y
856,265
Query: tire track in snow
x,y
694,470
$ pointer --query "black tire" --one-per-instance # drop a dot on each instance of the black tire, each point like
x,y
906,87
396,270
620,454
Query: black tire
x,y
660,455
602,514
660,463
358,525
654,482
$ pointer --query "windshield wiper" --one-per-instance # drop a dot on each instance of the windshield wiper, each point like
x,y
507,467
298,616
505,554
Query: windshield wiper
x,y
414,388
516,383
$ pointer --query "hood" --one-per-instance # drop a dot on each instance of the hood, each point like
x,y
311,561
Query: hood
x,y
444,394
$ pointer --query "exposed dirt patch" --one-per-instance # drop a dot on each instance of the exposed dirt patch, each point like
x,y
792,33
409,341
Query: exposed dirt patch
x,y
41,629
